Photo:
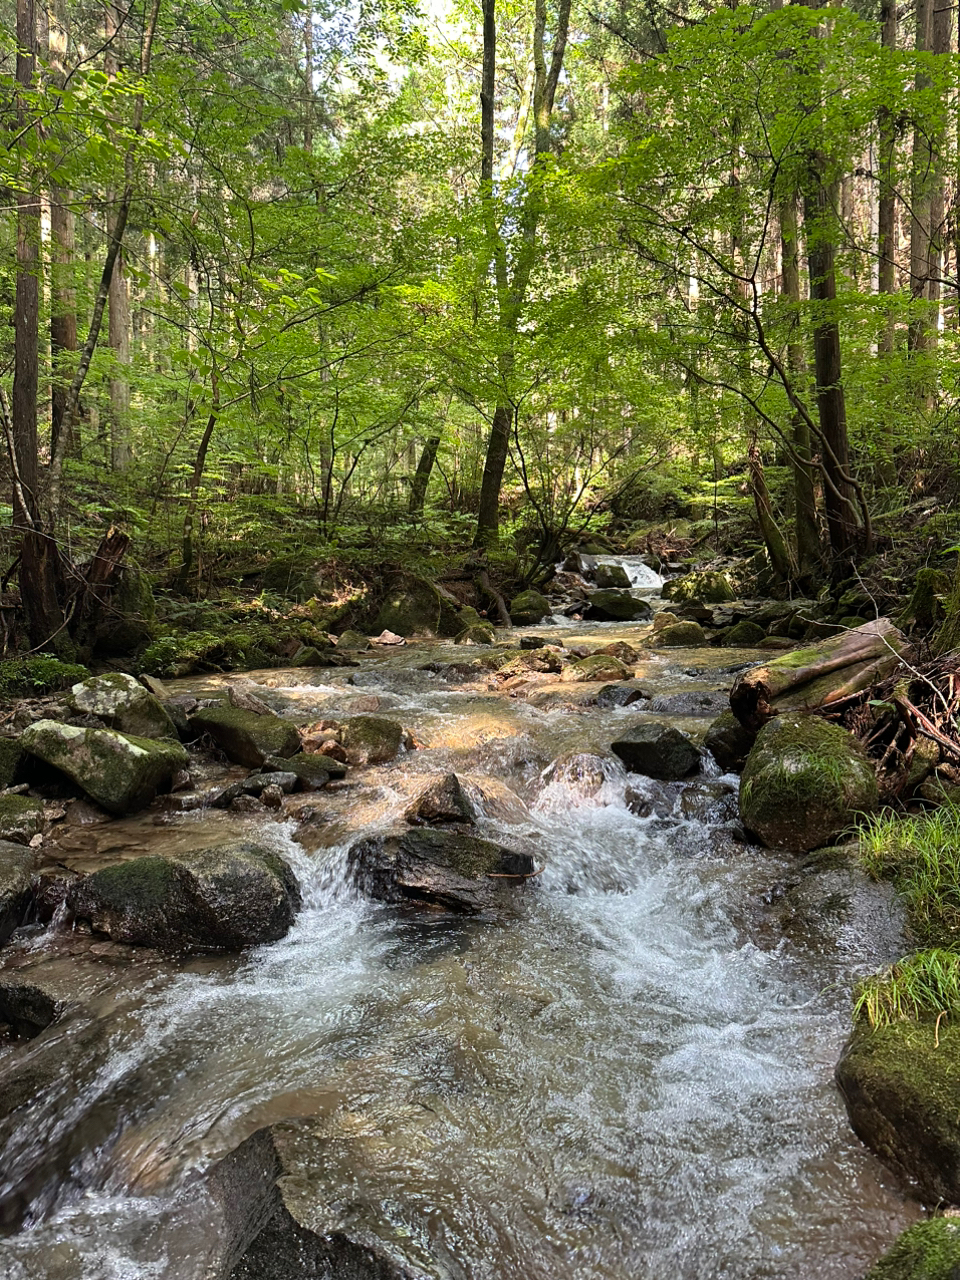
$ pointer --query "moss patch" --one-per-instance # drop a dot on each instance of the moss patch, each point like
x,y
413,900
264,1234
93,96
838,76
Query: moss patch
x,y
28,677
926,1251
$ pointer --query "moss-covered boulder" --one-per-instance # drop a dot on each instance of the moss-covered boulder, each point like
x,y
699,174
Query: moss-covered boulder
x,y
21,818
354,640
657,751
16,866
804,782
308,655
12,758
665,618
132,615
478,633
119,771
123,703
528,608
532,661
611,575
371,739
616,606
223,898
928,1250
439,868
681,635
412,606
246,737
708,585
599,666
744,635
901,1086
729,742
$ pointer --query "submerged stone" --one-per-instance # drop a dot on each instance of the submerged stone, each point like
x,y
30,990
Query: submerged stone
x,y
122,773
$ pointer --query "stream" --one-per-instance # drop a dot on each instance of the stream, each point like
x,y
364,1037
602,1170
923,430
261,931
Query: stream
x,y
629,1077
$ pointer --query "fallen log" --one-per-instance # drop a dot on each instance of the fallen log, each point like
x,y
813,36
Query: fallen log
x,y
820,675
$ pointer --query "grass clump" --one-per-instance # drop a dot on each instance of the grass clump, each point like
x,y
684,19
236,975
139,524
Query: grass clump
x,y
921,854
922,986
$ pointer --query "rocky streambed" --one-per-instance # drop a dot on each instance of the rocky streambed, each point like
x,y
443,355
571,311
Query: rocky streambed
x,y
614,1060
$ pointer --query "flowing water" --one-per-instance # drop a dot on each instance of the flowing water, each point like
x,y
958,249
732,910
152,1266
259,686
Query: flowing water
x,y
629,1078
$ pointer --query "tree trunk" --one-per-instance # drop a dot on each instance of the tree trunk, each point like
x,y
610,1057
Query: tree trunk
x,y
188,551
418,490
782,562
921,192
63,297
887,233
488,516
118,297
804,492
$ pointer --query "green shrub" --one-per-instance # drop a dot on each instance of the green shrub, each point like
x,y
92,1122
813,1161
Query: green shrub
x,y
43,673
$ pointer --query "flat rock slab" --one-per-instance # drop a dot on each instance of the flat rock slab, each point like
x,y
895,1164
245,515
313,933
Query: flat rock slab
x,y
461,873
246,737
122,773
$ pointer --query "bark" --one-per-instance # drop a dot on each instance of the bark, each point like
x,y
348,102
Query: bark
x,y
821,675
418,490
118,296
308,81
63,297
921,192
805,500
188,555
780,558
887,227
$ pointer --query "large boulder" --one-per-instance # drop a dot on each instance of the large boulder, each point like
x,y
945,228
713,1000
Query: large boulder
x,y
21,818
414,607
371,739
708,585
16,866
438,868
528,608
901,1085
657,751
681,635
804,782
598,666
744,635
246,737
223,898
611,575
729,742
123,703
616,606
121,772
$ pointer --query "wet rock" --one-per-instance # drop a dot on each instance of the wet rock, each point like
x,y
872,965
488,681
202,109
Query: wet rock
x,y
223,898
729,742
580,562
12,761
658,751
271,797
21,818
693,702
928,1250
744,635
532,662
308,655
528,608
476,634
600,666
533,642
582,774
616,606
622,651
414,607
313,772
442,801
285,782
901,1086
246,737
122,773
713,802
804,782
122,703
246,700
354,640
16,866
681,635
775,642
446,869
707,585
371,739
247,804
26,1007
622,695
665,618
611,575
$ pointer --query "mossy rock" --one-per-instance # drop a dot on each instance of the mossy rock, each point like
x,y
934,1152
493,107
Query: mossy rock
x,y
309,655
528,608
12,760
901,1086
665,618
469,617
599,666
804,782
314,771
616,606
123,703
30,677
21,818
16,894
611,575
412,606
354,640
476,634
119,771
708,585
681,635
729,742
246,737
222,898
371,739
744,635
185,655
926,1251
925,608
531,661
